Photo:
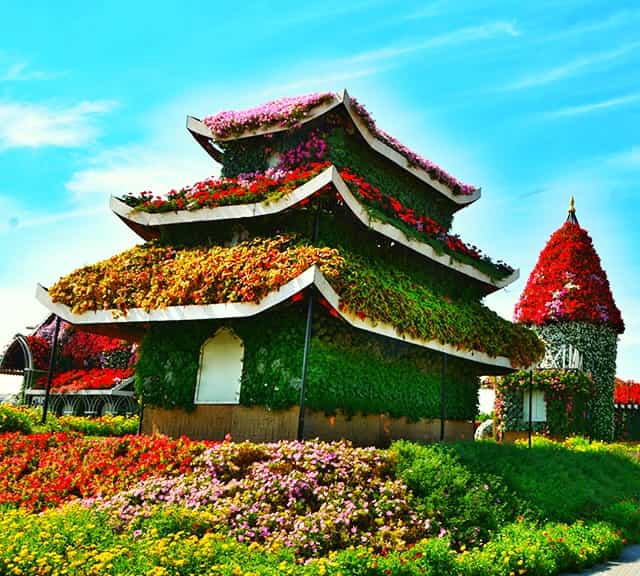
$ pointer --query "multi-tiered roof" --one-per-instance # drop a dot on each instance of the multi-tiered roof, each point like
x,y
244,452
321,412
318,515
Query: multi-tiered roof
x,y
384,258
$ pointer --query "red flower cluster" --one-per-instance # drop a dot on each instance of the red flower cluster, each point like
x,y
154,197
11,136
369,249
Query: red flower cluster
x,y
41,471
94,379
82,346
210,193
568,284
626,392
40,350
393,207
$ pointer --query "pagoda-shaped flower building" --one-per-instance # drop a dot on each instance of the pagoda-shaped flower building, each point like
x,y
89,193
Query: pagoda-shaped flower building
x,y
319,269
568,301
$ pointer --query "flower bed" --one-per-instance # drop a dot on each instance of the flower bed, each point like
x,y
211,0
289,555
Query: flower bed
x,y
309,497
28,420
316,509
152,276
287,112
284,113
45,470
569,284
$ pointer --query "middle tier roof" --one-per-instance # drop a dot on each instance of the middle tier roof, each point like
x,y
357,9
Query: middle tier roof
x,y
216,201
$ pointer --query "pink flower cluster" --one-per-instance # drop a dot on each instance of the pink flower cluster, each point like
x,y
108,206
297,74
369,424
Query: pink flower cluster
x,y
312,149
414,159
283,112
287,112
311,497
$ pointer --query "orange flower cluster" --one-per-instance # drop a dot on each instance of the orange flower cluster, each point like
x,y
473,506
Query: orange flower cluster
x,y
152,276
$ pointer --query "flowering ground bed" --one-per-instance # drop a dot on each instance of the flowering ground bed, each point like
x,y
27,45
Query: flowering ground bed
x,y
156,506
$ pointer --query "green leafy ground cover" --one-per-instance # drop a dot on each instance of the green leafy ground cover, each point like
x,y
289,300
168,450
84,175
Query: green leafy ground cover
x,y
316,508
29,420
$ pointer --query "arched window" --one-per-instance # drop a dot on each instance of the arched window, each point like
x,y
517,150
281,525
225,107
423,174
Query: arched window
x,y
220,369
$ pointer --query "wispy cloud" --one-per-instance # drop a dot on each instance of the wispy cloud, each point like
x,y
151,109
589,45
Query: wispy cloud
x,y
429,11
627,159
26,125
594,106
37,220
612,21
571,69
132,169
454,38
322,80
20,71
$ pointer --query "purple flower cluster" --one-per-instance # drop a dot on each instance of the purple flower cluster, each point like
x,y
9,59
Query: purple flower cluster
x,y
414,159
311,497
284,112
313,149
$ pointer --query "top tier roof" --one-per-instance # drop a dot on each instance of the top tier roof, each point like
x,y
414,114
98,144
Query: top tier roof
x,y
286,113
568,283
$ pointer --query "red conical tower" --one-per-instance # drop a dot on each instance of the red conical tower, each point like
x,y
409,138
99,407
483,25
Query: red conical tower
x,y
568,301
568,283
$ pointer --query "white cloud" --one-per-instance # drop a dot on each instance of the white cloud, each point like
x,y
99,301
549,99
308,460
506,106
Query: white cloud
x,y
570,69
134,169
594,106
453,38
20,72
27,125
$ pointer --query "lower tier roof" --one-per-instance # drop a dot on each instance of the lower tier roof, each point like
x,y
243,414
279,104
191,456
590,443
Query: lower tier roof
x,y
153,283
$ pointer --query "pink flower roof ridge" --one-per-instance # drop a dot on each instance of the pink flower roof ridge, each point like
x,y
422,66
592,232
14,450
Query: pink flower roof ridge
x,y
288,112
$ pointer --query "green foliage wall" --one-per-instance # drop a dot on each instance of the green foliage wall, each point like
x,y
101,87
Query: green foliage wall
x,y
598,345
349,370
566,393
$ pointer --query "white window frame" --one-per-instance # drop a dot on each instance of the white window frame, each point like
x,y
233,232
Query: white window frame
x,y
220,369
538,406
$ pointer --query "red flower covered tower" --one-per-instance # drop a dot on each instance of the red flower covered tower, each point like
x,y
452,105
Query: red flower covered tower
x,y
568,301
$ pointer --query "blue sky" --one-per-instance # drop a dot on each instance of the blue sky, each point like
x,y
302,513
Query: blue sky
x,y
533,102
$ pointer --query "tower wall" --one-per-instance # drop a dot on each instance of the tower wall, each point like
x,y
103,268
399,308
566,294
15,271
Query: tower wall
x,y
598,345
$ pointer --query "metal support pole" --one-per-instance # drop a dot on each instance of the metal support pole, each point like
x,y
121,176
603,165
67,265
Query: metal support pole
x,y
307,337
140,414
52,366
443,395
530,405
305,364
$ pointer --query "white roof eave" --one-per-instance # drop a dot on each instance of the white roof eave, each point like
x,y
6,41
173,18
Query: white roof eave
x,y
265,208
197,127
311,276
